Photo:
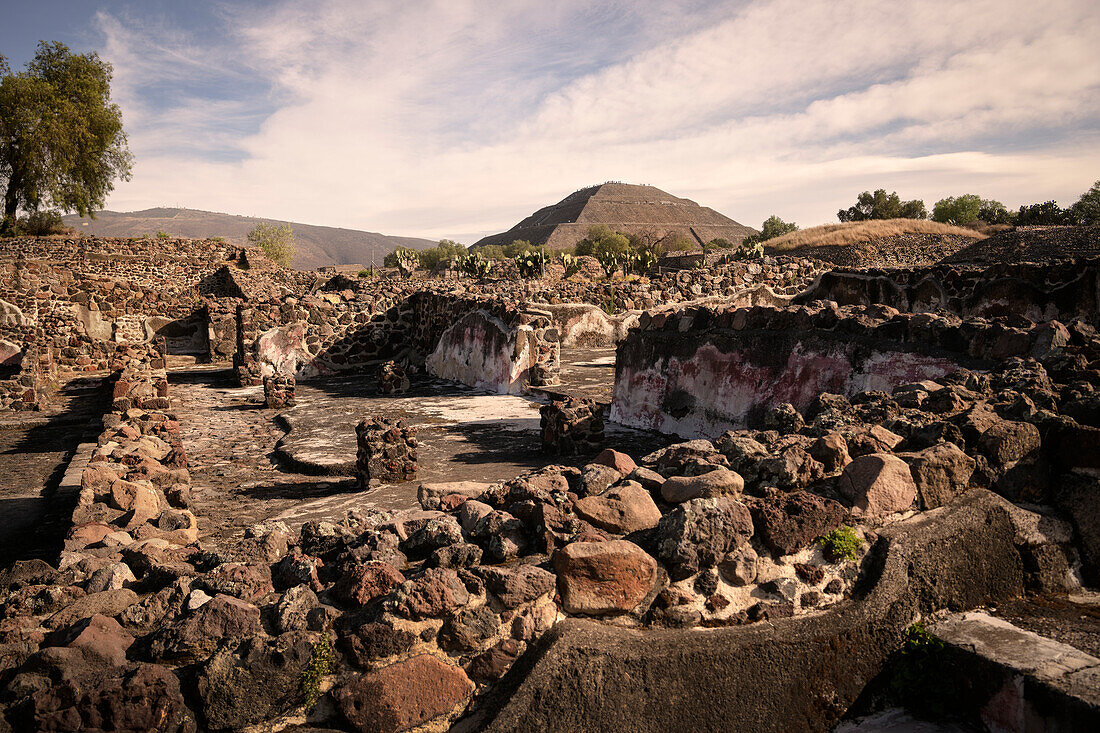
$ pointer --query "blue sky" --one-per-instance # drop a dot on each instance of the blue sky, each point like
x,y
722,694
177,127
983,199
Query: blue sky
x,y
453,118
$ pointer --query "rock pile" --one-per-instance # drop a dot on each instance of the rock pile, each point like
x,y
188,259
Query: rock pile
x,y
386,451
279,391
571,426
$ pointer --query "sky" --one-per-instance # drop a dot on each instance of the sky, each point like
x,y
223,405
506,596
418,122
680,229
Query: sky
x,y
456,118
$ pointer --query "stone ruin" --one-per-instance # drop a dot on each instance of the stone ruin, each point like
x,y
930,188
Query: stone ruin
x,y
850,464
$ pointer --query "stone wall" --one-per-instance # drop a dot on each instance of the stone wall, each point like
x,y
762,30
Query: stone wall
x,y
1063,290
700,371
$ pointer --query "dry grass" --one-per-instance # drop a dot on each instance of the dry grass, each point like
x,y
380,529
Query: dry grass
x,y
831,235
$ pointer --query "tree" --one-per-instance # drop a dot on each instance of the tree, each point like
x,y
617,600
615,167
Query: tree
x,y
1087,209
772,227
880,205
601,241
61,139
994,212
277,241
957,209
447,249
1046,213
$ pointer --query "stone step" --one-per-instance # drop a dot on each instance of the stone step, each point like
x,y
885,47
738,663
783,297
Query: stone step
x,y
1044,684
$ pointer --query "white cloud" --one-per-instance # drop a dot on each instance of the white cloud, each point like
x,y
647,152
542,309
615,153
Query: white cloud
x,y
458,118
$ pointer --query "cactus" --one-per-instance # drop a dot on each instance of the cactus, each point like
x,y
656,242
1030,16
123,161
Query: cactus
x,y
474,265
571,264
531,263
750,251
407,261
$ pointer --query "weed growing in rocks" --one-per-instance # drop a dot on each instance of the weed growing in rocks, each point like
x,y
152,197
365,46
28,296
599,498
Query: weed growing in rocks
x,y
841,544
320,665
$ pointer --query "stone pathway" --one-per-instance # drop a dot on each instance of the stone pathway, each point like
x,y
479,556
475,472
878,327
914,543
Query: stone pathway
x,y
35,448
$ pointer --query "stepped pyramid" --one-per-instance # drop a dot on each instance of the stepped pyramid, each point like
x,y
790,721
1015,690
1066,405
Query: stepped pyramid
x,y
625,208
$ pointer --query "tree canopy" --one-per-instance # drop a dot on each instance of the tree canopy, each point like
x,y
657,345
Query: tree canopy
x,y
772,227
1087,208
61,139
881,205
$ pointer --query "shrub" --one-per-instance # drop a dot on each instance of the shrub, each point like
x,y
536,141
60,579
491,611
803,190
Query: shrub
x,y
957,210
994,212
719,243
772,227
571,264
276,240
446,250
841,544
319,667
749,250
163,235
42,224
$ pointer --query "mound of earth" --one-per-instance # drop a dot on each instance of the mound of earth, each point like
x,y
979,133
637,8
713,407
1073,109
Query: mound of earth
x,y
1031,244
898,250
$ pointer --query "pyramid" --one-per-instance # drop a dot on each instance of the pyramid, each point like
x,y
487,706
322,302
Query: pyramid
x,y
625,208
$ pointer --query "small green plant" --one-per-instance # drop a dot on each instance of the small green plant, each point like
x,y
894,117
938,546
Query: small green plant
x,y
219,240
163,235
319,667
474,265
366,273
841,544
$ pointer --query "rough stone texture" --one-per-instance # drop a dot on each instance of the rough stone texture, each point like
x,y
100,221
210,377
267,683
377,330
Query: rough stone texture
x,y
620,510
710,485
787,523
700,533
361,584
279,391
941,473
597,578
403,695
803,672
878,484
572,427
387,451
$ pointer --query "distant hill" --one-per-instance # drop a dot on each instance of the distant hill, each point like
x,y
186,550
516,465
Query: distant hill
x,y
626,208
316,246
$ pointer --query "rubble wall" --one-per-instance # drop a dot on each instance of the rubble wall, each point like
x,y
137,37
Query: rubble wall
x,y
1063,291
700,371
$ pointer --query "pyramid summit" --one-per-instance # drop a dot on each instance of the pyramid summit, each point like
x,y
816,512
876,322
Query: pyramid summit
x,y
627,208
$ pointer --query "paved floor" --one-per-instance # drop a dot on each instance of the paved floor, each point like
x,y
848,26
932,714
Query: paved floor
x,y
246,467
34,450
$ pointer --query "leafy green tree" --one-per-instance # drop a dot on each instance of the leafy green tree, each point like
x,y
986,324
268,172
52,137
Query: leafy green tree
x,y
772,227
881,205
447,249
61,139
719,243
276,240
602,241
958,209
1046,213
994,212
1087,209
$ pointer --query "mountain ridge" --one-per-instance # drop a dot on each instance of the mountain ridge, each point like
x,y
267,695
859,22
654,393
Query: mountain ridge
x,y
315,245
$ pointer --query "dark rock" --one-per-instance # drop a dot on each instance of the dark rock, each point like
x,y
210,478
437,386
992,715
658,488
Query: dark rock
x,y
373,641
404,695
700,533
469,629
491,664
361,584
436,593
519,585
787,523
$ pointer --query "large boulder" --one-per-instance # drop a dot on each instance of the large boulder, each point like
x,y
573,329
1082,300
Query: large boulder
x,y
436,593
941,473
712,484
603,577
361,584
787,523
620,510
878,484
517,586
198,634
404,695
700,533
255,682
